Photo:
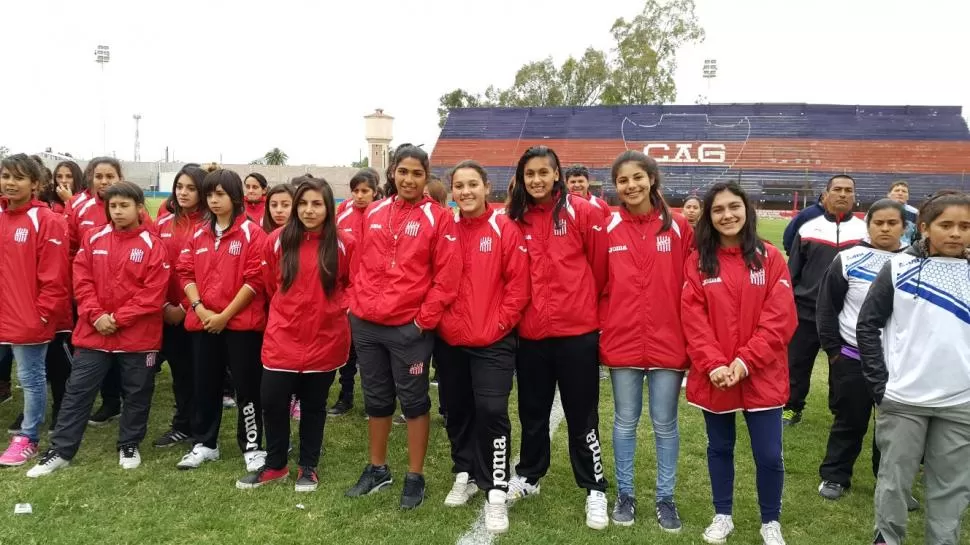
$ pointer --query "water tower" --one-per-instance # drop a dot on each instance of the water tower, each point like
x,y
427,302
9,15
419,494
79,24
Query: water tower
x,y
378,131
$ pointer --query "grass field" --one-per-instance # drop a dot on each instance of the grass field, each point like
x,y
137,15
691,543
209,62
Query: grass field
x,y
94,501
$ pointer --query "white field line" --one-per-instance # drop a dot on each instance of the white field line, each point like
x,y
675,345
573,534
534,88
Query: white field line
x,y
477,534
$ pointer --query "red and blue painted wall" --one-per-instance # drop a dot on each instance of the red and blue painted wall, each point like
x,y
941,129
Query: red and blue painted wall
x,y
773,149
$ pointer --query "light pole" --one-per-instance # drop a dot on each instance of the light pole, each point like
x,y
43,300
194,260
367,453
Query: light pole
x,y
102,55
137,118
710,72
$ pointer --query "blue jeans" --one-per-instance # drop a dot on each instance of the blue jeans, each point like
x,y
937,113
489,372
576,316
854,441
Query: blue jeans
x,y
764,428
32,374
664,392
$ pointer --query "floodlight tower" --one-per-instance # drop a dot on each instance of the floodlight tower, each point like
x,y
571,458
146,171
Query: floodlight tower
x,y
710,72
137,118
102,55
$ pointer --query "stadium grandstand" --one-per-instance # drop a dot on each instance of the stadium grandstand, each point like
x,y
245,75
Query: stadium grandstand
x,y
781,153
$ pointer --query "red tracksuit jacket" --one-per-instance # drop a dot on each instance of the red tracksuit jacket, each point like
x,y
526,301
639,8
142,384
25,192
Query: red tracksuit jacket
x,y
307,332
175,234
739,314
568,269
123,273
220,267
88,214
351,220
494,287
601,206
644,288
408,263
255,210
34,269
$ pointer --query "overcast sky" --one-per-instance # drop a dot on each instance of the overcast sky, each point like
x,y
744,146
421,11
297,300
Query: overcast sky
x,y
232,79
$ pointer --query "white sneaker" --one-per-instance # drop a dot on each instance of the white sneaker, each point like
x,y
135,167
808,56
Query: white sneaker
x,y
719,530
520,488
596,517
49,463
497,512
771,533
129,457
255,460
461,491
198,456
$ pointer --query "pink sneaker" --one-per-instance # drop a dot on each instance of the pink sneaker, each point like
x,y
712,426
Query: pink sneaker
x,y
295,409
20,450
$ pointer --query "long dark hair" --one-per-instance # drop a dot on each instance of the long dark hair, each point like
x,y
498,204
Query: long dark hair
x,y
232,184
708,240
933,208
198,178
520,198
80,182
402,152
649,165
289,189
292,237
94,163
886,204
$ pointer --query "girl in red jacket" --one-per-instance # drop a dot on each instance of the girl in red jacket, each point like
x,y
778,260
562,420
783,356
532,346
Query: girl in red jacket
x,y
350,220
255,189
408,273
307,336
559,331
475,351
648,246
120,276
33,294
220,272
739,315
184,211
279,204
91,215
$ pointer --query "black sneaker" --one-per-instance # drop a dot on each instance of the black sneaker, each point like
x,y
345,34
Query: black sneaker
x,y
14,427
830,490
790,417
307,480
171,438
371,480
413,494
341,407
667,516
879,540
624,511
5,394
104,415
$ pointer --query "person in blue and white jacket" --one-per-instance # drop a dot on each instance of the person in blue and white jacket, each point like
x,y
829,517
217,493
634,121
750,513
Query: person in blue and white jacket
x,y
914,340
840,297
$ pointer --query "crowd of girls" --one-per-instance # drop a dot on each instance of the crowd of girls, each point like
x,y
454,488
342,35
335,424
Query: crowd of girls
x,y
287,290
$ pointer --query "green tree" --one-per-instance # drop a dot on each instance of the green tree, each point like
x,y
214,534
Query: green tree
x,y
256,162
646,52
638,70
363,163
275,156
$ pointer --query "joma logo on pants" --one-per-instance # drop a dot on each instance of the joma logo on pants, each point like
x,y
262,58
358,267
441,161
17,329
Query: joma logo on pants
x,y
252,433
593,444
500,456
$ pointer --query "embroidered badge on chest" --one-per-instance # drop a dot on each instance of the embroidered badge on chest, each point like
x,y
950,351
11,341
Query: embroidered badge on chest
x,y
235,248
411,229
663,243
560,230
757,277
137,255
20,235
485,245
